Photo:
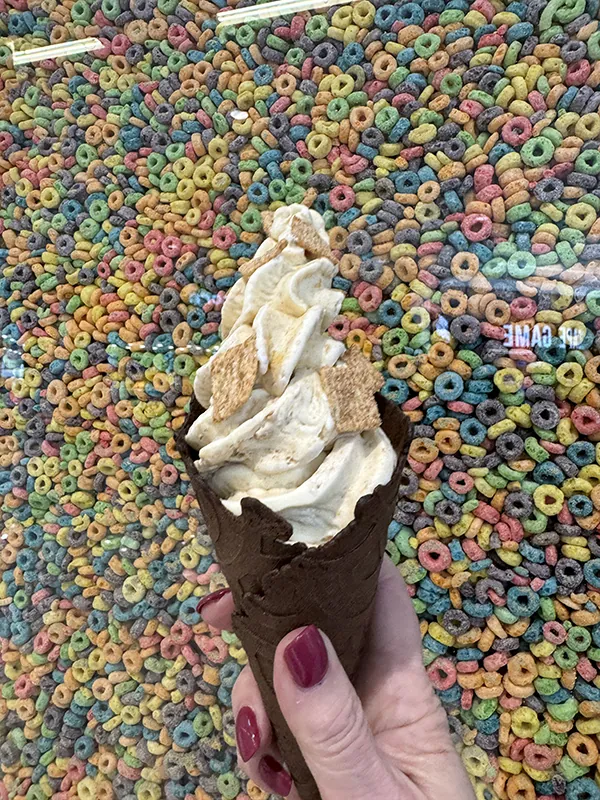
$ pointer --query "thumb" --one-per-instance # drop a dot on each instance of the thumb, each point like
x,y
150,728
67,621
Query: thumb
x,y
326,717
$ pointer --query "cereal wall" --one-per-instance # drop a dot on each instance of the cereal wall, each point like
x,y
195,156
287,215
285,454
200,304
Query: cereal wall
x,y
453,152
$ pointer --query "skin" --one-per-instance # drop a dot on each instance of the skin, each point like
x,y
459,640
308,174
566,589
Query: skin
x,y
387,739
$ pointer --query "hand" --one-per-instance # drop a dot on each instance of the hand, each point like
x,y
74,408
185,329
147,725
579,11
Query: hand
x,y
386,740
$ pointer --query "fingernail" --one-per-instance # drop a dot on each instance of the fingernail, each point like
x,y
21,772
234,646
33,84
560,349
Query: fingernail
x,y
274,775
210,598
306,658
247,733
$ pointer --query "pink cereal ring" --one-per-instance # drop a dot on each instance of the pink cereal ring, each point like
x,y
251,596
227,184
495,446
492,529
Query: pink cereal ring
x,y
522,308
153,241
169,474
473,550
339,328
467,667
586,669
163,265
510,703
24,687
578,73
181,633
370,299
483,176
442,674
341,197
460,407
120,44
476,227
489,193
224,237
433,470
434,555
487,513
169,649
586,419
516,131
495,662
461,482
133,270
171,246
517,749
554,632
428,279
538,756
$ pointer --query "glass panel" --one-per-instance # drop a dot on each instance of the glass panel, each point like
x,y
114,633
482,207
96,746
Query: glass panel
x,y
453,152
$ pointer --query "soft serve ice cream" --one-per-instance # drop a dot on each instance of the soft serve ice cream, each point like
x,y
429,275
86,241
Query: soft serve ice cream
x,y
272,429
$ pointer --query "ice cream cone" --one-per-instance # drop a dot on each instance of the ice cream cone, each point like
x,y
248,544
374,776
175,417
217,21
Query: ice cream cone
x,y
278,587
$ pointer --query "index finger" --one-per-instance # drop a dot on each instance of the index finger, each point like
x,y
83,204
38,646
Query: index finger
x,y
217,611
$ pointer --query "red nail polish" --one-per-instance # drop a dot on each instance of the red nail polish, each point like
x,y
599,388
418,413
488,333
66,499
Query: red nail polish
x,y
247,733
306,658
275,776
210,598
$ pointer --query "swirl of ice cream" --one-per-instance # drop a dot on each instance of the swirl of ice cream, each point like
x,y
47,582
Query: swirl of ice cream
x,y
281,445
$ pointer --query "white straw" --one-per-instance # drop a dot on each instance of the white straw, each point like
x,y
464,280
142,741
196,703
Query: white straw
x,y
62,50
275,9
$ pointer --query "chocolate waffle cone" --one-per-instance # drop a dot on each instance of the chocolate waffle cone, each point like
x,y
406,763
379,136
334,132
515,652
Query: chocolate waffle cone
x,y
278,587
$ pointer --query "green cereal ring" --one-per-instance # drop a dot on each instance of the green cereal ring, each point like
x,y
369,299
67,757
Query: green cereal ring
x,y
579,639
251,220
593,46
295,56
537,151
588,162
338,109
521,265
317,27
228,785
564,711
427,44
300,170
387,118
565,657
567,767
245,36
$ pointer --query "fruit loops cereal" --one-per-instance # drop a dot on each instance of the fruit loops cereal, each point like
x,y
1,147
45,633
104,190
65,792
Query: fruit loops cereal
x,y
453,150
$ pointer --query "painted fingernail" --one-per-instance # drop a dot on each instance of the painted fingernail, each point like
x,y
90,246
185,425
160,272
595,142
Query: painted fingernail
x,y
247,733
274,776
306,658
210,598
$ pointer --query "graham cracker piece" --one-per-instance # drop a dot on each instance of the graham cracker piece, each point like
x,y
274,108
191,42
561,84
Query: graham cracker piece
x,y
350,389
307,238
250,267
267,221
233,373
